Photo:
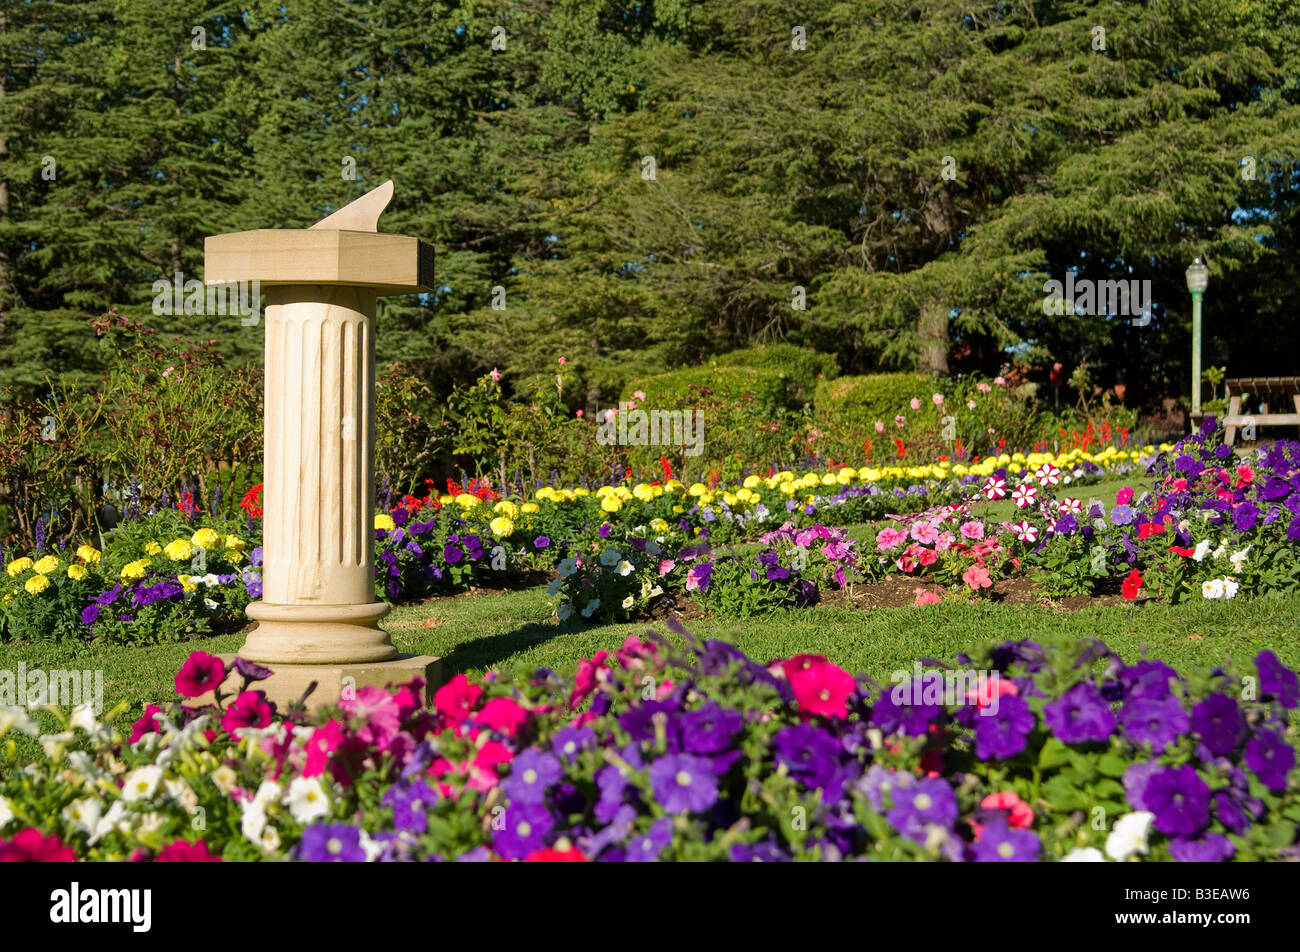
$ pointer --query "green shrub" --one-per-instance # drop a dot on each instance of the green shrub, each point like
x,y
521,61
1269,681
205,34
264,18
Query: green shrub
x,y
767,388
806,368
846,410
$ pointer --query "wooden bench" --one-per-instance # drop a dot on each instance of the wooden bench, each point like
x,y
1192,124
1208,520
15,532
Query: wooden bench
x,y
1260,386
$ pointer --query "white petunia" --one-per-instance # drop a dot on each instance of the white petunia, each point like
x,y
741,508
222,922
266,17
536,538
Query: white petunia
x,y
610,557
1129,835
84,815
1202,550
270,839
629,602
1230,587
224,778
16,718
141,783
53,744
116,818
625,568
1083,854
591,608
564,611
83,716
554,588
567,567
1212,588
306,800
1238,559
253,821
6,813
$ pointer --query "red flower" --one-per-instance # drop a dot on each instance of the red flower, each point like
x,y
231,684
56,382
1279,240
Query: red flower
x,y
667,467
251,709
187,505
31,846
552,855
1150,529
819,686
1179,550
899,448
252,501
1131,585
200,674
180,851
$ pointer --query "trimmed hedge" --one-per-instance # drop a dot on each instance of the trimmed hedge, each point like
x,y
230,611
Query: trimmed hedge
x,y
846,409
806,368
769,389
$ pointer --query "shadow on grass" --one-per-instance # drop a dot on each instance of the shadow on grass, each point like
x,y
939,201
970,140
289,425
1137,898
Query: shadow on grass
x,y
485,653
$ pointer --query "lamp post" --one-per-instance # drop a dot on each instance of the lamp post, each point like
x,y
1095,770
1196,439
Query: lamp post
x,y
1198,276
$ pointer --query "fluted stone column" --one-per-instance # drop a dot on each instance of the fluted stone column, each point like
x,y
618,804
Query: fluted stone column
x,y
318,619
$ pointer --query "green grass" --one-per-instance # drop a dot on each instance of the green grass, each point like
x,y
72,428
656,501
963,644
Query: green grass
x,y
476,633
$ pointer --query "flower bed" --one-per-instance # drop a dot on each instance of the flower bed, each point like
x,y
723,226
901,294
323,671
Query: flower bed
x,y
672,749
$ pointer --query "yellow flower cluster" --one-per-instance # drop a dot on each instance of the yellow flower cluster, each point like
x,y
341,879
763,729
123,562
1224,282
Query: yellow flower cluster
x,y
89,554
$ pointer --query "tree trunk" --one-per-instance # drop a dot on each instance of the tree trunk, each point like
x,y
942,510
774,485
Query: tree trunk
x,y
932,328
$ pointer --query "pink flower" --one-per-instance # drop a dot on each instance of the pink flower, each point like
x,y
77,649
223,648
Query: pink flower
x,y
916,403
1071,505
587,676
32,846
938,399
983,387
251,709
1024,495
147,724
925,597
1047,475
899,420
1022,814
995,488
502,714
973,530
495,375
320,746
880,427
888,539
1024,531
200,674
927,556
995,687
970,404
483,774
563,361
977,577
579,413
1000,381
924,533
819,686
636,652
666,566
639,395
180,851
1124,496
455,699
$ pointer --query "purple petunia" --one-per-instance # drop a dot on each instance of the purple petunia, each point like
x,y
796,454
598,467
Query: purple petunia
x,y
921,805
525,826
1207,848
1277,679
1000,843
1219,722
569,740
684,783
331,843
1004,734
1271,758
408,803
893,716
1158,723
531,773
1179,798
1080,715
811,754
709,730
646,849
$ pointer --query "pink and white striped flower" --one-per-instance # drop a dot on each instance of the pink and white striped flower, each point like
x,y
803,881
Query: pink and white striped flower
x,y
1024,496
995,488
1047,475
1071,505
1024,531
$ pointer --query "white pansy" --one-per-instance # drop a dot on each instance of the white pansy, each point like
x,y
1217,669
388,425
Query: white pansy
x,y
306,800
1083,854
1129,835
141,783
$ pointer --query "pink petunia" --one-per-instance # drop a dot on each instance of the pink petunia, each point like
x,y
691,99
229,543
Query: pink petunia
x,y
888,539
925,597
977,577
200,674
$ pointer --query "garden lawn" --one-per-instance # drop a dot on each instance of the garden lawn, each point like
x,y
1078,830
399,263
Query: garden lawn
x,y
478,632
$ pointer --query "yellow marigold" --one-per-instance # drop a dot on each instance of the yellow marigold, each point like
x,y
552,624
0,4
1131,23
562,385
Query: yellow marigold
x,y
611,503
467,501
206,538
236,543
698,489
37,584
152,548
233,556
47,565
384,521
574,494
446,500
530,507
88,553
77,573
135,569
18,566
751,481
178,550
506,508
501,527
658,525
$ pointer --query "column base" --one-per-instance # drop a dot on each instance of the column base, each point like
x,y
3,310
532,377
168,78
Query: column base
x,y
317,634
288,681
